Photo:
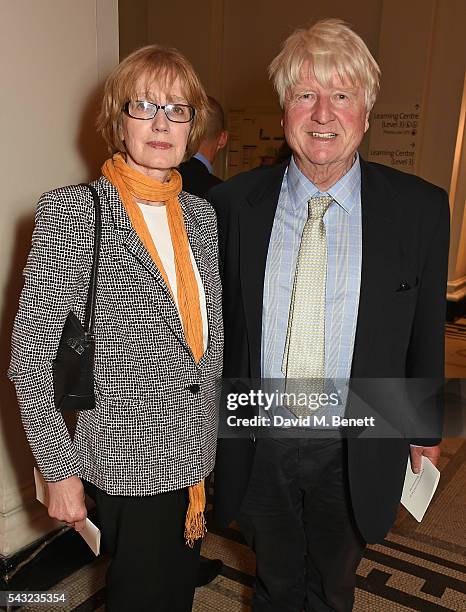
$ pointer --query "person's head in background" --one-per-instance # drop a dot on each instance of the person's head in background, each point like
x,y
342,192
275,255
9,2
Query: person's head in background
x,y
216,136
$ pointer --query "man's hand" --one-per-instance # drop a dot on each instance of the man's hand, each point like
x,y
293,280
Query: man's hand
x,y
66,502
431,452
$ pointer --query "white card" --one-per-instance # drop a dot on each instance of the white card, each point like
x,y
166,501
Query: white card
x,y
418,489
90,533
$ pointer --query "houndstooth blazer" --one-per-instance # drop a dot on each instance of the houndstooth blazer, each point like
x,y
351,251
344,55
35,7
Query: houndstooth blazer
x,y
154,425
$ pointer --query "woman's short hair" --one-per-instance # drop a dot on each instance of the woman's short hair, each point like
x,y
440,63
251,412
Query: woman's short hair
x,y
156,64
327,46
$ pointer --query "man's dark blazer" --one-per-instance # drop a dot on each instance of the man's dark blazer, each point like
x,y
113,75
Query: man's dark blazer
x,y
405,234
196,178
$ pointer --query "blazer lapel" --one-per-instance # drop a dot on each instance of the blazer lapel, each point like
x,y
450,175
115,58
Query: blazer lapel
x,y
255,227
129,239
200,256
380,263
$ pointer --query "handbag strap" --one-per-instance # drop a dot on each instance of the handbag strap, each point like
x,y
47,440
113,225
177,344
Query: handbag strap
x,y
89,319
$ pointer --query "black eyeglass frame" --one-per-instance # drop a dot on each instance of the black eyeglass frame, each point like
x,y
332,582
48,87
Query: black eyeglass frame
x,y
157,107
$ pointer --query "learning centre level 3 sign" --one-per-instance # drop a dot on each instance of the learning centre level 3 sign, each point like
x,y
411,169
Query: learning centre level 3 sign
x,y
394,135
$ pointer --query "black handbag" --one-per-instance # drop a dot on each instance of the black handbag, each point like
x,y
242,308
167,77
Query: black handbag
x,y
73,366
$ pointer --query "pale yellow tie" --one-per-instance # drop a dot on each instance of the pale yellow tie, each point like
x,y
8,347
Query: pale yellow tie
x,y
304,355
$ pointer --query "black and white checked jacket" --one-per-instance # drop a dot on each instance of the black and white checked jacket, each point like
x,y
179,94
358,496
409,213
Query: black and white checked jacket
x,y
150,431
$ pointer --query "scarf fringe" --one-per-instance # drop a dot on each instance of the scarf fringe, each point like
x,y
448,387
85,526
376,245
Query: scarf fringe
x,y
195,526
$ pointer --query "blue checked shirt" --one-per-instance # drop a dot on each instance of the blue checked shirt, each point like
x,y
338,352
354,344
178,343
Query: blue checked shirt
x,y
344,255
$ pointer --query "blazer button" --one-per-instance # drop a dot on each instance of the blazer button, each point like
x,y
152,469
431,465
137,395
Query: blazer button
x,y
194,388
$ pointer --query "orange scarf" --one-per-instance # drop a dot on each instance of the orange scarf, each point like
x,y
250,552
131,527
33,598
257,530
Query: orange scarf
x,y
133,185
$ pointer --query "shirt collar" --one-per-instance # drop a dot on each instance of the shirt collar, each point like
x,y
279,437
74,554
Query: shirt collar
x,y
346,191
204,160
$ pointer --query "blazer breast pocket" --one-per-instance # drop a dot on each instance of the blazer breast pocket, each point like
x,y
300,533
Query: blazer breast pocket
x,y
402,307
407,286
406,293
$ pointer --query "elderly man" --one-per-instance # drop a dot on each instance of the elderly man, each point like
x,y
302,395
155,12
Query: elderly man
x,y
333,268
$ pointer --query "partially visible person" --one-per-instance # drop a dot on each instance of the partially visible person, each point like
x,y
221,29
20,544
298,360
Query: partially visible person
x,y
148,445
197,172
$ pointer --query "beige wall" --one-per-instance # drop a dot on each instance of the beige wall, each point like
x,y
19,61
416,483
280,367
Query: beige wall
x,y
457,266
53,57
255,29
426,64
133,25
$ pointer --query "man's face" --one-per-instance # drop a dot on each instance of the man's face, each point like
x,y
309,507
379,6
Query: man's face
x,y
324,125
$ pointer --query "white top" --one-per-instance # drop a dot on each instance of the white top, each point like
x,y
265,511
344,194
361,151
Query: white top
x,y
157,224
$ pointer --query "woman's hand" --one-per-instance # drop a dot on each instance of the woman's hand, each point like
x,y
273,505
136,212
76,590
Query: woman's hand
x,y
66,502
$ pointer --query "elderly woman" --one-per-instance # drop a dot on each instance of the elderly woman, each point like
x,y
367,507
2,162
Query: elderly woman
x,y
150,441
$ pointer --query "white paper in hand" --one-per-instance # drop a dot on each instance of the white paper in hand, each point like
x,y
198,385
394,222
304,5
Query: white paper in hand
x,y
90,533
418,489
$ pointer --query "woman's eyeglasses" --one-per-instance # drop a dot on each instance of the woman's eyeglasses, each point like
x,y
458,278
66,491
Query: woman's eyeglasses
x,y
142,109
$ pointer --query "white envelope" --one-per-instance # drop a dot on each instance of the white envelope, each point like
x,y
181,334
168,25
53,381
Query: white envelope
x,y
418,489
90,533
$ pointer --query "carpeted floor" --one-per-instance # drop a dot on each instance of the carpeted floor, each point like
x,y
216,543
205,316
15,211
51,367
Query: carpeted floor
x,y
420,566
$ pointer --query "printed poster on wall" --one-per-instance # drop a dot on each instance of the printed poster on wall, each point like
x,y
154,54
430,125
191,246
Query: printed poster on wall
x,y
255,138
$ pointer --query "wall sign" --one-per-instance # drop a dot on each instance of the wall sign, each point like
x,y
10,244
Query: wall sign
x,y
394,135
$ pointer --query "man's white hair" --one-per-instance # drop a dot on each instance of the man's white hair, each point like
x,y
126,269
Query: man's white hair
x,y
328,46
